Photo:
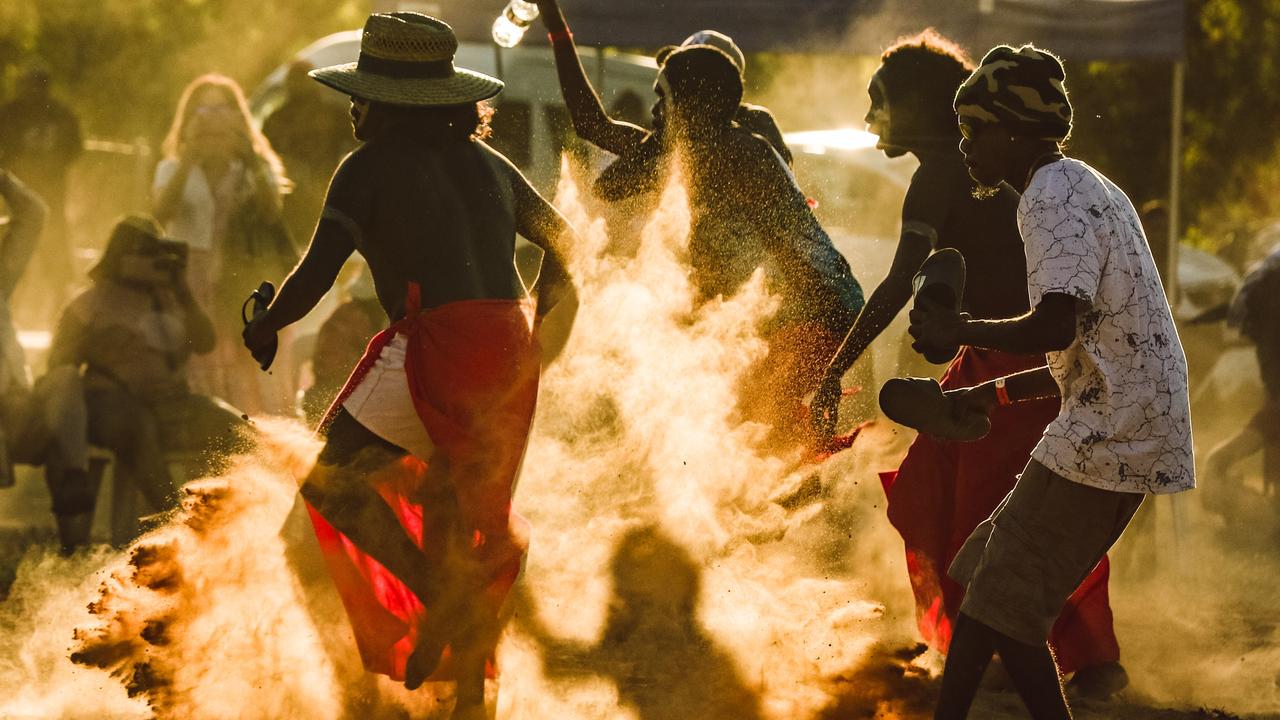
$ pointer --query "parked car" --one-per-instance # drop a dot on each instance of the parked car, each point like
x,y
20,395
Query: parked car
x,y
531,124
857,192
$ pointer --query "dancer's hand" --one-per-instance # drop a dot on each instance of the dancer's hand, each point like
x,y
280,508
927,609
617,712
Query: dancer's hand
x,y
824,410
258,336
935,326
978,399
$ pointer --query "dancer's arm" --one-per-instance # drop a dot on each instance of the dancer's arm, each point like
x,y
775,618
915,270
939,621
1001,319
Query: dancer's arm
x,y
1049,327
924,210
330,247
886,301
590,121
544,226
1033,384
333,242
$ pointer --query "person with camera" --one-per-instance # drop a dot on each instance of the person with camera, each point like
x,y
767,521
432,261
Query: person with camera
x,y
18,238
218,189
118,370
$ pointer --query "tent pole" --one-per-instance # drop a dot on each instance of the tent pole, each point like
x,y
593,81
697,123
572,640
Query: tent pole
x,y
1175,180
1177,506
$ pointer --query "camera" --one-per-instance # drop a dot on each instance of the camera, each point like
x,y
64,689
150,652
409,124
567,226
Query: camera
x,y
170,256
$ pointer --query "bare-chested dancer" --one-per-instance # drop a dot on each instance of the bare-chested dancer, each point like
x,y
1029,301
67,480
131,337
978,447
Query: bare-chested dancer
x,y
640,164
943,489
452,382
748,213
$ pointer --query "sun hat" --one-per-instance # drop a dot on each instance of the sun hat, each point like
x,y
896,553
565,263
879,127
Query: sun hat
x,y
406,58
1022,90
712,38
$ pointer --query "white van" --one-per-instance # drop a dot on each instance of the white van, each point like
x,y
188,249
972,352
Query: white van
x,y
531,124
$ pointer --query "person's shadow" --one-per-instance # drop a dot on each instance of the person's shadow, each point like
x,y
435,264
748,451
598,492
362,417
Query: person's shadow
x,y
663,663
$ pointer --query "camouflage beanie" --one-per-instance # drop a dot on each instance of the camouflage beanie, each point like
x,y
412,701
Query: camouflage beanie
x,y
1021,90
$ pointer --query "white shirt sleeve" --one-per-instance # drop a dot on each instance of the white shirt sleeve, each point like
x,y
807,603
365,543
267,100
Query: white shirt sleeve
x,y
165,171
1063,253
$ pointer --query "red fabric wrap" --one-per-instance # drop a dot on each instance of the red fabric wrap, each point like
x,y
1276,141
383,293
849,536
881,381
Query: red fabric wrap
x,y
473,370
944,489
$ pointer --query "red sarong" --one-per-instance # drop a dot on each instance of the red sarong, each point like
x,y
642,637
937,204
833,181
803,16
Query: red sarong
x,y
473,370
944,489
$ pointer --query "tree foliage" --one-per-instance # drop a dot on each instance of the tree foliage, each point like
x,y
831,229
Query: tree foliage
x,y
122,63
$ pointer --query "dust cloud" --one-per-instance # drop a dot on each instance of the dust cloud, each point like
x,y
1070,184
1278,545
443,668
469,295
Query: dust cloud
x,y
675,570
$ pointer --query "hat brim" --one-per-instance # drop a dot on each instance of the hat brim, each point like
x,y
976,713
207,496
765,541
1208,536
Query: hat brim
x,y
464,86
663,53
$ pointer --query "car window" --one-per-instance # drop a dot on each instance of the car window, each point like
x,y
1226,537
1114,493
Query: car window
x,y
852,199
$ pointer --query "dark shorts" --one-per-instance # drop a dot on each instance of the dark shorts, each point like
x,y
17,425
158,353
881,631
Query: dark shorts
x,y
1021,564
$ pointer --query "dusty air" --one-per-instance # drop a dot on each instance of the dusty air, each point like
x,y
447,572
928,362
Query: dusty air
x,y
485,360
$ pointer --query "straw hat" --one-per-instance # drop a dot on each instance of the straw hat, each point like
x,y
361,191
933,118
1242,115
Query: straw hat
x,y
406,58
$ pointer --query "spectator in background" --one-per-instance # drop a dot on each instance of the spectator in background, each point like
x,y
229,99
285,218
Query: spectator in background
x,y
218,189
17,243
39,141
118,372
311,134
1255,311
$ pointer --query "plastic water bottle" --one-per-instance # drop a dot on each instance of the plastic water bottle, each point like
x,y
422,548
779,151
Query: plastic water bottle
x,y
511,25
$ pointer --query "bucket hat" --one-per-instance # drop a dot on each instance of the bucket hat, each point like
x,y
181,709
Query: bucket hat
x,y
406,58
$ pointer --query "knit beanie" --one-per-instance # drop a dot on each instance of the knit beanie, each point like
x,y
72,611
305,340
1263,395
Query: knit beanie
x,y
1021,90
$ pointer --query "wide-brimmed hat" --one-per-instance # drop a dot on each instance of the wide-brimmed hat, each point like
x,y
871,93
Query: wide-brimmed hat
x,y
130,234
406,58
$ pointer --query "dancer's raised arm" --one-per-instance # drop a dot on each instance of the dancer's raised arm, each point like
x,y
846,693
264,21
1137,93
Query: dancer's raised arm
x,y
590,121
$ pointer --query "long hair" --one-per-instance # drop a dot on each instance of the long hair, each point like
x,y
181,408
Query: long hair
x,y
230,91
921,73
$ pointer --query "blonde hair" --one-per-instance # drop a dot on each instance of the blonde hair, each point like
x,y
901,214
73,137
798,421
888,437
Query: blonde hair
x,y
232,92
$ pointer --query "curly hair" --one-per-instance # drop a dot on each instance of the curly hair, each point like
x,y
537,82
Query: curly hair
x,y
921,73
470,121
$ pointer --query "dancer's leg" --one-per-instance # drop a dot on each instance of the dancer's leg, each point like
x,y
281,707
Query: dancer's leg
x,y
338,488
969,655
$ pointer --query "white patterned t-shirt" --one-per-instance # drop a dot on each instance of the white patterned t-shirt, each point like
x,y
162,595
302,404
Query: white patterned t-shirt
x,y
1125,421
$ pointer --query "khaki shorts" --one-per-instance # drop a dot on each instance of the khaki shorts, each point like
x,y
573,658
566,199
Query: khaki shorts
x,y
1020,565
